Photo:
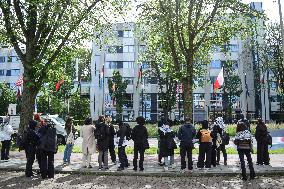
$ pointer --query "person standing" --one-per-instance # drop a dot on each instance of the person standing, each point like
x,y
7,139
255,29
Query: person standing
x,y
70,140
30,146
89,143
225,140
216,142
112,133
261,134
123,135
243,141
160,157
6,132
47,147
102,135
186,134
140,138
167,144
205,139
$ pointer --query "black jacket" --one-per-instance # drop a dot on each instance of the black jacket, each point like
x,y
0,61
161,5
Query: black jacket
x,y
102,134
167,143
261,133
121,133
186,134
48,139
140,137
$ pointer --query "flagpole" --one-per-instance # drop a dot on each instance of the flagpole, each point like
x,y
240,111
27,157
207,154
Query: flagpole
x,y
246,96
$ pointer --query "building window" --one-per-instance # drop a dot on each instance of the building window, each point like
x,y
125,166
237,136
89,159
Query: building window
x,y
234,48
2,59
2,72
213,79
115,49
146,65
150,80
114,65
129,79
13,72
215,64
128,64
128,103
128,48
199,101
127,33
120,33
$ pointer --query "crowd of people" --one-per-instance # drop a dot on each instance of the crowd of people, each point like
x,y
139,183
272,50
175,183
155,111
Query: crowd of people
x,y
40,142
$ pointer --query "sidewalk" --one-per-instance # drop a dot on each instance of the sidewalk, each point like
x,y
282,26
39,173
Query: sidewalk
x,y
18,161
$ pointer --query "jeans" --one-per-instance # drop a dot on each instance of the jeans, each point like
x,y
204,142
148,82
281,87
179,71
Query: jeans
x,y
122,157
169,160
103,158
222,148
67,152
186,151
204,149
214,156
242,153
112,153
5,149
47,164
141,151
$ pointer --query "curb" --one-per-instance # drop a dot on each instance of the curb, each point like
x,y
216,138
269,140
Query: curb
x,y
153,174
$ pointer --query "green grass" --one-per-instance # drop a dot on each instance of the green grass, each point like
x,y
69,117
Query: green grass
x,y
154,150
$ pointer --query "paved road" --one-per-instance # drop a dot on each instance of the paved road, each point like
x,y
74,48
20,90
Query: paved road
x,y
16,180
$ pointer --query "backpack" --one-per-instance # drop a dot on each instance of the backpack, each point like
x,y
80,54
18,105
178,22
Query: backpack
x,y
102,132
49,140
205,136
22,140
269,139
128,131
225,138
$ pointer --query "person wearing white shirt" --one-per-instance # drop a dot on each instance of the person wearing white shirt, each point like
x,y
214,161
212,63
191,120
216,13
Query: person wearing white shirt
x,y
6,132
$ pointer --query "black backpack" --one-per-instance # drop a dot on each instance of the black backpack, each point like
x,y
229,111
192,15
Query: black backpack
x,y
22,140
102,132
225,138
48,141
269,139
128,131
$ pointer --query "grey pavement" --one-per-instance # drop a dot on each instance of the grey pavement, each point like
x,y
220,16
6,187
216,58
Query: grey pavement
x,y
17,163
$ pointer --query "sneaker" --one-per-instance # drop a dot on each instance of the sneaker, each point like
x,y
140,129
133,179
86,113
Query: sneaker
x,y
161,164
106,168
182,170
244,178
114,162
166,168
84,166
90,166
100,168
141,169
225,163
134,169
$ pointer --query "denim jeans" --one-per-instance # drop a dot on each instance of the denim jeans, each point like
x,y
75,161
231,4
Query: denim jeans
x,y
169,160
67,152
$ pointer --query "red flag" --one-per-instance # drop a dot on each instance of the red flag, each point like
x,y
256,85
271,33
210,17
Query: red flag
x,y
139,77
219,82
19,82
19,92
58,84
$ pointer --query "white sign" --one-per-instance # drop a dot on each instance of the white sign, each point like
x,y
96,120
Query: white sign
x,y
12,109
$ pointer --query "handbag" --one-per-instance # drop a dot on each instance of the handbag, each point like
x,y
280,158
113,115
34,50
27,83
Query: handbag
x,y
70,138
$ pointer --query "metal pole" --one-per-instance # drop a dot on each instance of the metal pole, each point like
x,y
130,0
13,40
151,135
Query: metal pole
x,y
142,102
48,101
281,27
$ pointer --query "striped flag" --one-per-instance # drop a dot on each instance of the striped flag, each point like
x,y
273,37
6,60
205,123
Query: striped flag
x,y
19,82
219,82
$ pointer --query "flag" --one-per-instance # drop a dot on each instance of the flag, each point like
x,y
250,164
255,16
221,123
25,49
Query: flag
x,y
19,82
58,84
139,77
219,81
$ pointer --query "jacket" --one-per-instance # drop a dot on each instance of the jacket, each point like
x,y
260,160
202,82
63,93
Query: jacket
x,y
140,137
167,143
102,135
48,140
89,142
186,134
261,133
112,133
6,132
121,135
243,140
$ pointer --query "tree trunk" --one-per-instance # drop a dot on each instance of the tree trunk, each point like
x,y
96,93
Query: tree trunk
x,y
188,99
27,104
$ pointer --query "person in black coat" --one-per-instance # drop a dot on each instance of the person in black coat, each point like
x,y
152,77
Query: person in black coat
x,y
186,134
32,140
216,141
102,135
47,147
262,143
112,133
167,144
140,138
122,135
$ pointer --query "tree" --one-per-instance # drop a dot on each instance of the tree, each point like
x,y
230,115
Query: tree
x,y
117,91
272,60
7,96
190,28
39,30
